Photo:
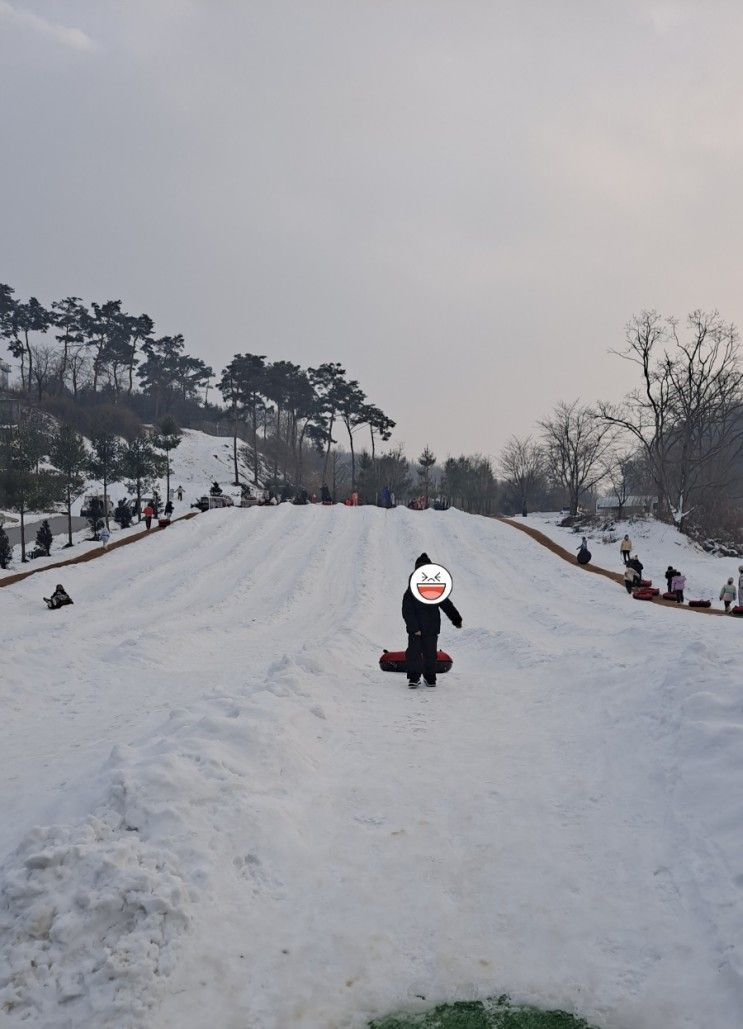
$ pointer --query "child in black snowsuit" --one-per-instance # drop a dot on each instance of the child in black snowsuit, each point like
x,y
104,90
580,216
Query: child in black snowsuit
x,y
59,598
423,623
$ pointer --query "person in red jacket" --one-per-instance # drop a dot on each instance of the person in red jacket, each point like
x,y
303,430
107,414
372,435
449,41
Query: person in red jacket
x,y
149,514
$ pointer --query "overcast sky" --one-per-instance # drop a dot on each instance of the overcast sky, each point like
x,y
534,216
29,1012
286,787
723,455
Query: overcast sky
x,y
462,202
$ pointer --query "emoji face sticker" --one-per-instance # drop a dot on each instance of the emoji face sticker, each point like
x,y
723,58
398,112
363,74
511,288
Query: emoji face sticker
x,y
430,584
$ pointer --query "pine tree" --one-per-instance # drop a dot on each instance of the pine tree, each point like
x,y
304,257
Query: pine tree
x,y
6,551
140,465
168,437
69,456
23,489
105,463
426,461
44,538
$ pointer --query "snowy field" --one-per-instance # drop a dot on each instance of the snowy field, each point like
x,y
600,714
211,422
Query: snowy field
x,y
196,463
657,545
217,811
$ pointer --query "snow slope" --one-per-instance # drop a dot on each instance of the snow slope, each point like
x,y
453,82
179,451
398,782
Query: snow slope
x,y
657,545
197,462
218,811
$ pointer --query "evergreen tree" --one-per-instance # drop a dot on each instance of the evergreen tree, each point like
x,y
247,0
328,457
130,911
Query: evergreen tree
x,y
105,464
243,386
167,438
426,462
140,465
329,380
68,316
352,408
70,457
44,539
22,489
6,551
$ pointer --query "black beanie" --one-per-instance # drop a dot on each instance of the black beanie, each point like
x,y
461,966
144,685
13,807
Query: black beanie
x,y
424,559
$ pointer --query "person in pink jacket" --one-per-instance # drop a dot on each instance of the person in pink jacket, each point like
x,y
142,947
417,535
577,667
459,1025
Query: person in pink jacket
x,y
677,586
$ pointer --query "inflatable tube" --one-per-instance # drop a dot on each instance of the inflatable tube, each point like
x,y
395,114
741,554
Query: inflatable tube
x,y
394,661
643,594
700,603
669,596
737,611
645,583
653,590
584,556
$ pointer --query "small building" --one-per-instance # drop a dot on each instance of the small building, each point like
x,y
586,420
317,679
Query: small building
x,y
4,374
634,506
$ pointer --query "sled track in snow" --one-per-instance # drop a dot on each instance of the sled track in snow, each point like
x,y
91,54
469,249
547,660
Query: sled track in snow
x,y
89,555
566,555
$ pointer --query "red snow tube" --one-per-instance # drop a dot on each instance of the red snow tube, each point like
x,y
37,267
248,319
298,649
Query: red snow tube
x,y
643,594
669,596
700,603
738,610
394,661
645,583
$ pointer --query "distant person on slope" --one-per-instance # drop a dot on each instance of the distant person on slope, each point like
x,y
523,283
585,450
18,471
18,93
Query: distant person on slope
x,y
678,582
631,578
423,624
637,564
59,598
669,573
728,593
104,536
584,554
740,583
625,548
149,514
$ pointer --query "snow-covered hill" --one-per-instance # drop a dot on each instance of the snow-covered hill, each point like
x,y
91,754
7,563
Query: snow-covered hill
x,y
218,811
197,462
657,544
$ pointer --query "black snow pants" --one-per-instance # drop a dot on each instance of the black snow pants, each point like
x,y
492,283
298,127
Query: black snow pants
x,y
421,657
628,585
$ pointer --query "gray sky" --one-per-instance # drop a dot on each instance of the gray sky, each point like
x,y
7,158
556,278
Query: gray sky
x,y
462,202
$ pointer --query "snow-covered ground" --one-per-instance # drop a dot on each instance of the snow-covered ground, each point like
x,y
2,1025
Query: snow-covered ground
x,y
218,811
196,463
657,546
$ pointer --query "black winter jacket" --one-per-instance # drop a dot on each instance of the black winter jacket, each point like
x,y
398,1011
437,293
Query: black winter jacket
x,y
426,618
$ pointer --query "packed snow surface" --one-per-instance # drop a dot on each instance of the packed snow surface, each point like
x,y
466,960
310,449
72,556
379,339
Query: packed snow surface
x,y
217,811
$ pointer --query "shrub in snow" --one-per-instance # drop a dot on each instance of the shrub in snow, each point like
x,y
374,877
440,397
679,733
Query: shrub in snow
x,y
6,551
44,539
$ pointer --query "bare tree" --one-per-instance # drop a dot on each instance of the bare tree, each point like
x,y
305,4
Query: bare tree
x,y
686,416
522,465
576,441
43,367
621,473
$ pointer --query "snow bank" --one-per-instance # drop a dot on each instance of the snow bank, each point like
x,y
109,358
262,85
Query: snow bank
x,y
217,811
